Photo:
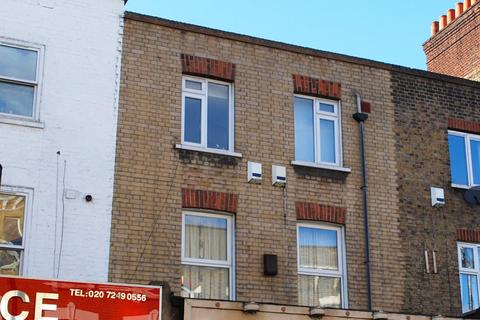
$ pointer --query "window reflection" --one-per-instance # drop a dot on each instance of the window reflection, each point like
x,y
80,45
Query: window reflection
x,y
304,130
18,63
467,258
469,291
218,116
12,210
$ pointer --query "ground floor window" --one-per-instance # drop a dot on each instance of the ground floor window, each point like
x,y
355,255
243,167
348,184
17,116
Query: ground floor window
x,y
207,256
12,228
321,265
469,275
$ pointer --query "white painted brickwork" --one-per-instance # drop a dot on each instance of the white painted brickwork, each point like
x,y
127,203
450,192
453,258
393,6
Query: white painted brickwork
x,y
78,113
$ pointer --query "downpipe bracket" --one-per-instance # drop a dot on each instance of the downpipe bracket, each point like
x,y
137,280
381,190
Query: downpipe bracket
x,y
360,116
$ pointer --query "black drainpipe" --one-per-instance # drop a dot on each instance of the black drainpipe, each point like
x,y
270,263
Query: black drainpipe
x,y
1,169
361,117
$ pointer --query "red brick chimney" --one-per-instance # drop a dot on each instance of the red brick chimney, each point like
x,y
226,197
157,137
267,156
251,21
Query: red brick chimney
x,y
454,47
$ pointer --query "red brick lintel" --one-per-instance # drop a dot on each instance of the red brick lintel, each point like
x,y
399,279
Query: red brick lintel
x,y
211,200
320,212
463,125
316,87
209,68
468,235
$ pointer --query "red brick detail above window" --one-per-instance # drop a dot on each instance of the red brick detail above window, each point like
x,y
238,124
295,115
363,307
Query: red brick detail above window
x,y
320,212
366,107
209,68
315,87
200,199
462,125
468,235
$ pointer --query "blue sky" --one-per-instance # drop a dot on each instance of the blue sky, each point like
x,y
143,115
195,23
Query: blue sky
x,y
384,30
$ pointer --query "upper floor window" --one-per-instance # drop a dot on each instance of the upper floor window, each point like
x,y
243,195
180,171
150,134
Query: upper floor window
x,y
207,113
464,158
317,131
207,256
19,80
12,221
321,266
468,255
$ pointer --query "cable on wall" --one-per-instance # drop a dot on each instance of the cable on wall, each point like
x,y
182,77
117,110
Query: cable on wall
x,y
155,223
63,218
56,215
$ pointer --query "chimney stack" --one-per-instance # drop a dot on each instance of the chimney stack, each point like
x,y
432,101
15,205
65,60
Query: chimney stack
x,y
452,15
461,39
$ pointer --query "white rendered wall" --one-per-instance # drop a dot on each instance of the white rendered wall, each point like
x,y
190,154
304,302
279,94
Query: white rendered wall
x,y
78,109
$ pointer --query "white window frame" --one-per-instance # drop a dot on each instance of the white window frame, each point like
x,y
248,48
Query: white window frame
x,y
467,138
336,117
24,248
475,271
36,84
341,255
203,96
229,263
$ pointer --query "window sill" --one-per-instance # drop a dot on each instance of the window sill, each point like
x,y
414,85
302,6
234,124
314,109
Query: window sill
x,y
461,186
22,122
208,150
320,166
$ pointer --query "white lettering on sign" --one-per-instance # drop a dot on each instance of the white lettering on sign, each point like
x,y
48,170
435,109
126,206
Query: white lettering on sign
x,y
39,305
4,305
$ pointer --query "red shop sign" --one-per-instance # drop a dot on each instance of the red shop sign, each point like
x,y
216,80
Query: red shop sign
x,y
32,299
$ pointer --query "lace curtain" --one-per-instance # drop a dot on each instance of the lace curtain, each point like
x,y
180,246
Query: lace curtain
x,y
206,242
318,252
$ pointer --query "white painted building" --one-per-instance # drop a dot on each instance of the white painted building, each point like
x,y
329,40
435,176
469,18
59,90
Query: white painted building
x,y
59,76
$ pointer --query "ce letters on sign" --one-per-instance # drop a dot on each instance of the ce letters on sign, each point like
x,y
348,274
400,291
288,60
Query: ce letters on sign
x,y
35,299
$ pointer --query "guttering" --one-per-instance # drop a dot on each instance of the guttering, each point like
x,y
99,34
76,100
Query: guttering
x,y
361,117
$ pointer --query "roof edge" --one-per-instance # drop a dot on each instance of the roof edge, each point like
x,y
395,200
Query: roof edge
x,y
295,48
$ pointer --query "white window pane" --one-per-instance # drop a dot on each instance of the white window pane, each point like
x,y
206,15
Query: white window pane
x,y
325,107
9,262
16,99
327,141
218,116
304,131
205,282
319,291
18,63
318,248
475,152
195,85
467,258
458,159
193,120
205,238
12,210
469,292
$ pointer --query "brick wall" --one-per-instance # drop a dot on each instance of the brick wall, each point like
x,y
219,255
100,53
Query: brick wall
x,y
455,49
424,111
151,173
